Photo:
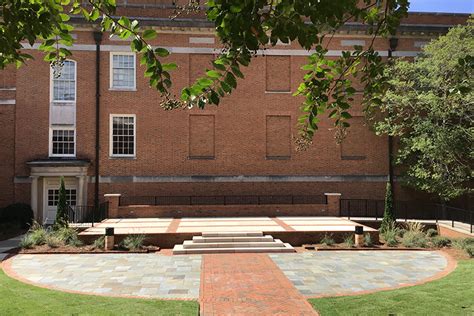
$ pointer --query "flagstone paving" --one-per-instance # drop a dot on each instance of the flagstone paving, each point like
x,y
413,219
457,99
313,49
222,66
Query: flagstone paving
x,y
238,284
144,275
325,273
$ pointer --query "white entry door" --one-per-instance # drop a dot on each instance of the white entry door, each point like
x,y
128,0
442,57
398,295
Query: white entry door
x,y
52,197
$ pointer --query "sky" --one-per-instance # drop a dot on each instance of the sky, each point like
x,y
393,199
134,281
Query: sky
x,y
445,6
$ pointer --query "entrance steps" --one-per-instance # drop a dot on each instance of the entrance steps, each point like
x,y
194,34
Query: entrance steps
x,y
229,242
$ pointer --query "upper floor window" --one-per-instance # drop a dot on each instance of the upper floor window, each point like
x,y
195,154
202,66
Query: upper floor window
x,y
122,135
62,142
122,71
64,87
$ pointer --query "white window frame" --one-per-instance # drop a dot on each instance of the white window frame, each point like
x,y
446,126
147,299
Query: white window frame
x,y
111,72
111,136
59,127
51,85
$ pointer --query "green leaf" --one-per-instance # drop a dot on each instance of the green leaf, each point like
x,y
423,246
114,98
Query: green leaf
x,y
169,66
230,80
162,52
213,74
149,34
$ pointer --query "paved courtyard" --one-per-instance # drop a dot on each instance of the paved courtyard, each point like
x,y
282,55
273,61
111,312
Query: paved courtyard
x,y
308,274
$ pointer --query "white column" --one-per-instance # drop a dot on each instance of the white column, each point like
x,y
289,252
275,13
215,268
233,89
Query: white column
x,y
34,197
80,191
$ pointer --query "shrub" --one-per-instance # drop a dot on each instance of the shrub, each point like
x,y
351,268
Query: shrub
x,y
388,217
414,239
415,227
38,234
99,243
62,211
431,232
327,240
20,213
470,250
390,235
27,242
440,241
133,242
368,242
349,241
462,243
53,241
401,232
68,236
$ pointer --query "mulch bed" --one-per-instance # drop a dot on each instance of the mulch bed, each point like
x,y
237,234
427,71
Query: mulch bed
x,y
44,249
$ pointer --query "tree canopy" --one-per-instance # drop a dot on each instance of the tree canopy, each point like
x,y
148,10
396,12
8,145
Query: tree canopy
x,y
243,27
429,105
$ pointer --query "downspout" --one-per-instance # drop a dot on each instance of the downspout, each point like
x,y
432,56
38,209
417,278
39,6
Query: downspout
x,y
98,40
393,41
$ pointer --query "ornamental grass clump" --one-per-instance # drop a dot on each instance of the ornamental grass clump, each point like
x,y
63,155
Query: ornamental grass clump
x,y
327,240
349,241
53,241
99,243
440,241
431,233
390,235
414,239
368,242
69,236
27,242
133,242
38,234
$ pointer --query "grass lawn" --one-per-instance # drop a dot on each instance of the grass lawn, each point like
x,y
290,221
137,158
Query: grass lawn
x,y
451,295
17,298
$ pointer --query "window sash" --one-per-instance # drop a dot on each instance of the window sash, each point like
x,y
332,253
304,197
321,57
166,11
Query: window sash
x,y
53,197
64,87
63,142
123,136
123,71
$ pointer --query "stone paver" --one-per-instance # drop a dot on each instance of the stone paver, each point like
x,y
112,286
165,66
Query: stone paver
x,y
237,284
248,284
144,275
326,273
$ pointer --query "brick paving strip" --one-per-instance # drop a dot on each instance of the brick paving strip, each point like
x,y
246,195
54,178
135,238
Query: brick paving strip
x,y
173,227
248,284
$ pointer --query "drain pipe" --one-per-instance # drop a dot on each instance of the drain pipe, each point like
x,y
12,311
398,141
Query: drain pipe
x,y
393,41
98,40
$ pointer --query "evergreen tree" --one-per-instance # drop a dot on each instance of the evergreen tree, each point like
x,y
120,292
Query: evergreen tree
x,y
62,211
388,214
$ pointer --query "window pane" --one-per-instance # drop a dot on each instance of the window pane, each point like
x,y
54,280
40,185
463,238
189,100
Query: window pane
x,y
64,87
63,142
123,72
123,138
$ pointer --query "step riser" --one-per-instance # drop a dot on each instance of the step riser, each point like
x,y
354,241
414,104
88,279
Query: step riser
x,y
233,245
201,240
227,250
233,234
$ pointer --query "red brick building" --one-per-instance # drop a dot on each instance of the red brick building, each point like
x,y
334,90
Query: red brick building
x,y
243,147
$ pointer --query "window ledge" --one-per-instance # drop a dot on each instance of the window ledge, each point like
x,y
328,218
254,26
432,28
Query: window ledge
x,y
123,157
123,89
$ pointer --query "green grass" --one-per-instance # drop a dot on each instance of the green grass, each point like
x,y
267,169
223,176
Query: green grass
x,y
17,298
451,295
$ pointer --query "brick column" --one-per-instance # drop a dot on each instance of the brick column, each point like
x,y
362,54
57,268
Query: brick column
x,y
333,202
113,200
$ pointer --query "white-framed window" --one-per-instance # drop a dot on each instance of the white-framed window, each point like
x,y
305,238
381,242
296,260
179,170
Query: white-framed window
x,y
123,135
62,141
63,88
53,197
122,71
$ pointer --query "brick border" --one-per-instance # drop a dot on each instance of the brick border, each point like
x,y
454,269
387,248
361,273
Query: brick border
x,y
450,267
5,265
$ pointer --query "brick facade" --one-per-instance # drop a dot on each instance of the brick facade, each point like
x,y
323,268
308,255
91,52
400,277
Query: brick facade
x,y
247,141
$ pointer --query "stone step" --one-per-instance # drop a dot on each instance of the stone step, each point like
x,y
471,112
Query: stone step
x,y
188,244
180,250
232,234
200,239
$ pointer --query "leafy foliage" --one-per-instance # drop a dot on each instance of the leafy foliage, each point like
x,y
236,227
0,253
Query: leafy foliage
x,y
327,240
414,239
368,242
440,241
429,105
244,27
349,241
388,214
99,243
62,208
133,242
390,234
